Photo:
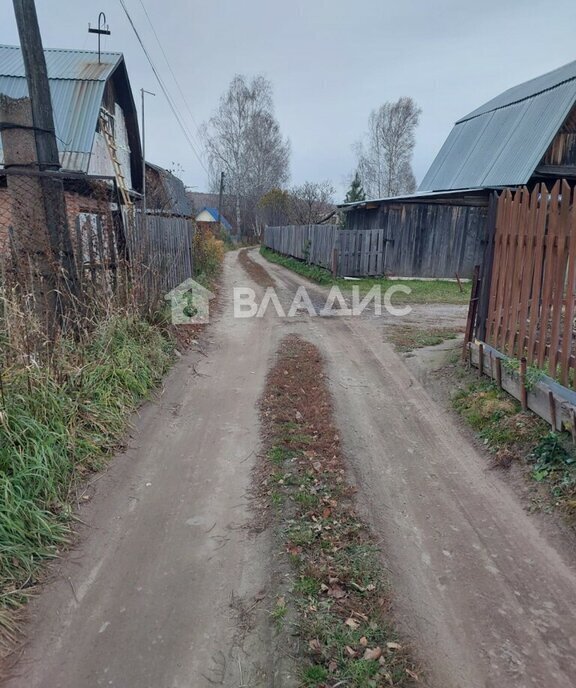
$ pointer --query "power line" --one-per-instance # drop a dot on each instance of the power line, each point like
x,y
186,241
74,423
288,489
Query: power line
x,y
169,99
184,99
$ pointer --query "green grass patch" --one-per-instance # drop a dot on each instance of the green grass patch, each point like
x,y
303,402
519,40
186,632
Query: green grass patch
x,y
54,428
421,291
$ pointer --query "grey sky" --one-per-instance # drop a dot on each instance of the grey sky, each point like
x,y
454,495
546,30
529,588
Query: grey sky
x,y
330,62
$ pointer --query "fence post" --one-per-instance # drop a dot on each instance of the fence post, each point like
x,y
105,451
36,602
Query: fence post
x,y
334,262
471,310
487,263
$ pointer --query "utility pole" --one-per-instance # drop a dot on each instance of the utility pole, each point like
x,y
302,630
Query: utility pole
x,y
220,200
38,86
144,92
46,148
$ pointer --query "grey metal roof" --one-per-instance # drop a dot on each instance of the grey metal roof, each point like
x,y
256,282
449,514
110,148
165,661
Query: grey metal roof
x,y
77,84
419,196
175,192
502,142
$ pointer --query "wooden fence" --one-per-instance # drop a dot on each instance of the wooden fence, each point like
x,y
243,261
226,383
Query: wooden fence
x,y
412,240
160,249
425,238
313,243
531,300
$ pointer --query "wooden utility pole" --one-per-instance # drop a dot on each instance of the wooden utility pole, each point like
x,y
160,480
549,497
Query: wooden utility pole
x,y
46,148
220,200
38,86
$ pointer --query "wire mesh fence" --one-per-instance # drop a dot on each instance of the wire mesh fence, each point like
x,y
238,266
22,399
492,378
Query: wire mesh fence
x,y
71,253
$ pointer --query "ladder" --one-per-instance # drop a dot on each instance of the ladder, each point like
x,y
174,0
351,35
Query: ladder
x,y
106,128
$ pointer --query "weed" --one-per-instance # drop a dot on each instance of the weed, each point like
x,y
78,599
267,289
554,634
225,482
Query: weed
x,y
533,373
279,454
307,586
314,676
279,612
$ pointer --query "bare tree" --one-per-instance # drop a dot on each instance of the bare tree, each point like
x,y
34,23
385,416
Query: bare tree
x,y
385,155
311,202
243,138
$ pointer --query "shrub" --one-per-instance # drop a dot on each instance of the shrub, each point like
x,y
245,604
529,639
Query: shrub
x,y
208,254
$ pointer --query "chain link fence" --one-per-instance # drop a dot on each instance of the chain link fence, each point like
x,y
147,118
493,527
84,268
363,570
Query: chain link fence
x,y
71,253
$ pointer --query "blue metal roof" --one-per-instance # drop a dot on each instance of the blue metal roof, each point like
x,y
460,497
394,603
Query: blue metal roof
x,y
502,142
77,84
214,213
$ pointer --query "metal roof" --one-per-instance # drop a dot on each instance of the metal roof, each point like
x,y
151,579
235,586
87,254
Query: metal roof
x,y
419,197
77,85
214,213
175,191
502,142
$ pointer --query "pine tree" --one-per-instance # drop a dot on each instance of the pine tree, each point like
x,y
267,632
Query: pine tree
x,y
356,191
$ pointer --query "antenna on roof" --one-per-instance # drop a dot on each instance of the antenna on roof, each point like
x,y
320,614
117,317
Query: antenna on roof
x,y
102,30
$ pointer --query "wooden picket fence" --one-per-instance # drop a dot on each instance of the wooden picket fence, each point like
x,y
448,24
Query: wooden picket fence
x,y
531,305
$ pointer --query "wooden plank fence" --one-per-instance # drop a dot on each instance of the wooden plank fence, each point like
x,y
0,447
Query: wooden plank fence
x,y
413,241
313,243
359,253
532,294
160,250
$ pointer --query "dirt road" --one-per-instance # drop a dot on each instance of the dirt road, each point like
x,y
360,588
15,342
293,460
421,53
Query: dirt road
x,y
157,594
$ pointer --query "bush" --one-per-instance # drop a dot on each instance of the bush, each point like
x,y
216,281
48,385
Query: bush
x,y
208,254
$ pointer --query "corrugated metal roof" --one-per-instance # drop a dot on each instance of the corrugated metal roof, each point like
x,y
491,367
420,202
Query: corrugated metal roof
x,y
77,85
62,64
174,187
419,196
502,142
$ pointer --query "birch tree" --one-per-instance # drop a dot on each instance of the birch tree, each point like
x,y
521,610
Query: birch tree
x,y
385,153
243,138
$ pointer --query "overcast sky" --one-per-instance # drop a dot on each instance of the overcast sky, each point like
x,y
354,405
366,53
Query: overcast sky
x,y
330,62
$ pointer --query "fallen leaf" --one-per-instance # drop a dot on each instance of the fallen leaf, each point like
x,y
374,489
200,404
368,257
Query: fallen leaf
x,y
364,641
336,592
350,651
315,645
332,666
352,623
373,653
412,674
326,513
393,646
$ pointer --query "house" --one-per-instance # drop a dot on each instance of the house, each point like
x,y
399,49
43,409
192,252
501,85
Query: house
x,y
208,218
166,194
96,128
201,200
523,136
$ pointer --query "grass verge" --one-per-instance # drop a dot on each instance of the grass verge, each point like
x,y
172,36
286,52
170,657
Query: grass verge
x,y
422,291
54,429
338,596
511,434
408,337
